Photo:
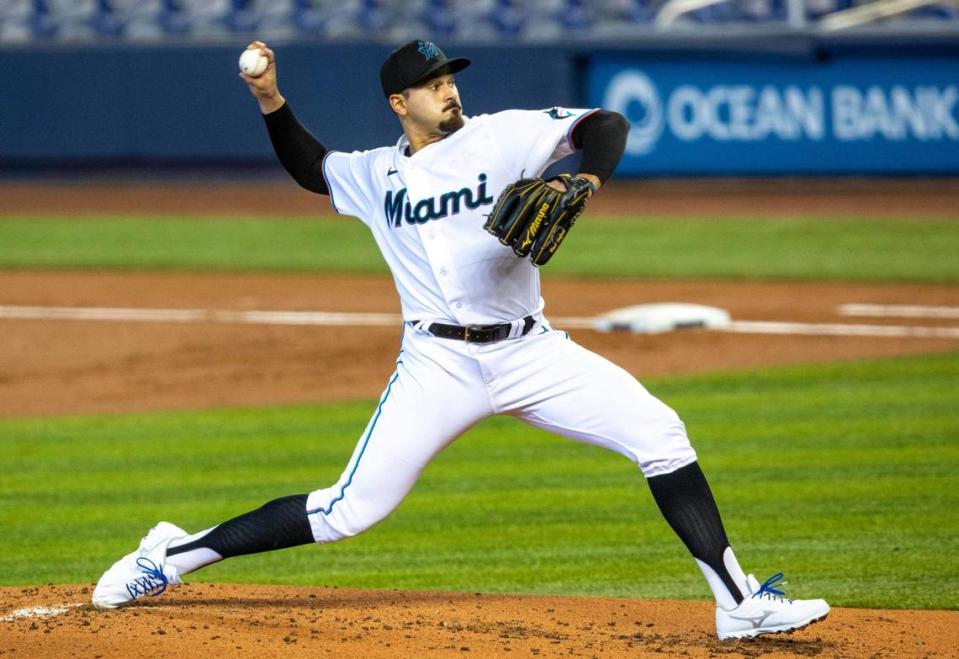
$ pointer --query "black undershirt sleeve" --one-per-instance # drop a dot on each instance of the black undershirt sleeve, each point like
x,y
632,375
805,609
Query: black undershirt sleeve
x,y
602,137
300,153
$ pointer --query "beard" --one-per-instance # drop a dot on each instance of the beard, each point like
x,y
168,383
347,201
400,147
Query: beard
x,y
453,123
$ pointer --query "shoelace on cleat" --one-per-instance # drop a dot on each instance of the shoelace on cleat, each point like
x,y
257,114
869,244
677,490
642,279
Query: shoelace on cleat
x,y
768,588
153,582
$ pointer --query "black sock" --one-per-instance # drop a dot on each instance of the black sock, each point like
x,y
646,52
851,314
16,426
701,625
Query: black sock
x,y
687,503
279,524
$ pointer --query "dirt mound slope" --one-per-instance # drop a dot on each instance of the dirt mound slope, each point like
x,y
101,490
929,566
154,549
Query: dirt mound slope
x,y
246,621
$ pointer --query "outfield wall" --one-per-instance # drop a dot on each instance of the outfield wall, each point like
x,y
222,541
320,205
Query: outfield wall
x,y
787,103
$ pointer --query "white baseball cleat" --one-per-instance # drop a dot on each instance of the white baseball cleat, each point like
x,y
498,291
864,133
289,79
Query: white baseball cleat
x,y
766,611
140,573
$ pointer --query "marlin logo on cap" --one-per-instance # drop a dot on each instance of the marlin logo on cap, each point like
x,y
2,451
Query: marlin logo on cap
x,y
428,49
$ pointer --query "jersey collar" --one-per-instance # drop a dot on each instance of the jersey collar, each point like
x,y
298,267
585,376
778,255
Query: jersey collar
x,y
403,143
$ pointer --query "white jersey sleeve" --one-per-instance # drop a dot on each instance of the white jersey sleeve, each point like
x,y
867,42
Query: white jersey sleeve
x,y
349,179
531,140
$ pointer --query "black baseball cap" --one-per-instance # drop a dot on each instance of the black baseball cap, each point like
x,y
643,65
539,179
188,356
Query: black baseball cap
x,y
413,63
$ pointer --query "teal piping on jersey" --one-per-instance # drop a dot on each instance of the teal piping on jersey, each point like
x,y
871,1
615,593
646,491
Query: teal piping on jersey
x,y
326,179
569,131
366,441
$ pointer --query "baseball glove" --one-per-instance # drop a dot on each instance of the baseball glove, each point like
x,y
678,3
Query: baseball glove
x,y
533,218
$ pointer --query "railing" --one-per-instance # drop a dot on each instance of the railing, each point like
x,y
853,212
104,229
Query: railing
x,y
872,12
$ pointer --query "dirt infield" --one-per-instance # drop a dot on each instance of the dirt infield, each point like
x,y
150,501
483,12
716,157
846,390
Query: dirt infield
x,y
262,621
59,366
53,367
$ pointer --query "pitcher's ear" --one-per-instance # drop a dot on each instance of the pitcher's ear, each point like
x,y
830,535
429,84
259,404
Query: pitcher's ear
x,y
398,103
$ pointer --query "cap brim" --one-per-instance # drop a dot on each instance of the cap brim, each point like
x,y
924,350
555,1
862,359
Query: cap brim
x,y
455,65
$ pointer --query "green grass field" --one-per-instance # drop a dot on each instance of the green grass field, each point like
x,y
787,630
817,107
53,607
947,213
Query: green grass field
x,y
887,250
845,476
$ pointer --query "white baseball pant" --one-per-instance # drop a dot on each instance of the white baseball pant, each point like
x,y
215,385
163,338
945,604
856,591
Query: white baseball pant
x,y
442,387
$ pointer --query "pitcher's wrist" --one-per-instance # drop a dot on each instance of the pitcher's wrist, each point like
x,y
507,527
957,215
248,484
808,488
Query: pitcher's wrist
x,y
271,103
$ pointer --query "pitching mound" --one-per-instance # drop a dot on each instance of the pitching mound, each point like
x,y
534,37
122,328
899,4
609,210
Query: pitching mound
x,y
248,621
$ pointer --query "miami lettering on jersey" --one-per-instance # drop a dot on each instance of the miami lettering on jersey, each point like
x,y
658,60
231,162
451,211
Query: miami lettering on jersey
x,y
397,206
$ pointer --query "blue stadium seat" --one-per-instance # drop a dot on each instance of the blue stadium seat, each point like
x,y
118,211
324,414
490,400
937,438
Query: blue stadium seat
x,y
329,18
441,18
577,16
63,19
199,18
637,11
374,16
509,18
307,16
173,19
273,17
760,11
388,20
938,12
816,9
242,16
16,21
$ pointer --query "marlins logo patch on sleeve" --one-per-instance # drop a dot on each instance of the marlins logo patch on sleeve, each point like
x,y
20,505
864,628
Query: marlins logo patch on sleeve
x,y
559,113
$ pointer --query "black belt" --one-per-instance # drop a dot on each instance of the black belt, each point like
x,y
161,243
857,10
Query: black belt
x,y
478,333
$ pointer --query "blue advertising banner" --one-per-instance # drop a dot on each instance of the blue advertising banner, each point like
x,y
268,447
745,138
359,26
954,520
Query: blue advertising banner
x,y
843,116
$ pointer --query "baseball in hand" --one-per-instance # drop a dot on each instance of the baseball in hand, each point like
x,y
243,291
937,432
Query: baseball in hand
x,y
253,62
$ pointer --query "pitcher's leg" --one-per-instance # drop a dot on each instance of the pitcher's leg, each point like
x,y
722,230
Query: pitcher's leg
x,y
687,504
278,524
564,388
426,405
588,398
327,514
423,409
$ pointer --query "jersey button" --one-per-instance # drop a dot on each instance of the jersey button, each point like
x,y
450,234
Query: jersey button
x,y
443,271
459,305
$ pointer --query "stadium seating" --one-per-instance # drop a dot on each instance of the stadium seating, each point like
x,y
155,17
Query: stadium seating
x,y
24,21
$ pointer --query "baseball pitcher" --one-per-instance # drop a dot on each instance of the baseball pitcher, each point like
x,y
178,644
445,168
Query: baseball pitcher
x,y
463,218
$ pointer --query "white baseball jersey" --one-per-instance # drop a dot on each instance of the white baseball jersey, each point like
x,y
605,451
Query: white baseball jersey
x,y
427,211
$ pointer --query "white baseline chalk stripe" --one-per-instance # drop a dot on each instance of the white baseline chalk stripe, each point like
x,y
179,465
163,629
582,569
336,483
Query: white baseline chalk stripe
x,y
898,311
306,318
38,612
573,322
835,329
199,316
323,318
242,317
103,313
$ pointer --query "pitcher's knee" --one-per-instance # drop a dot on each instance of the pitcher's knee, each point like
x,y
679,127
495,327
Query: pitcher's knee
x,y
657,465
663,447
336,513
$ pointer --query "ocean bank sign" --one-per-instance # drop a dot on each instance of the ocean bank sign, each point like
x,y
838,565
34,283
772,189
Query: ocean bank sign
x,y
845,116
